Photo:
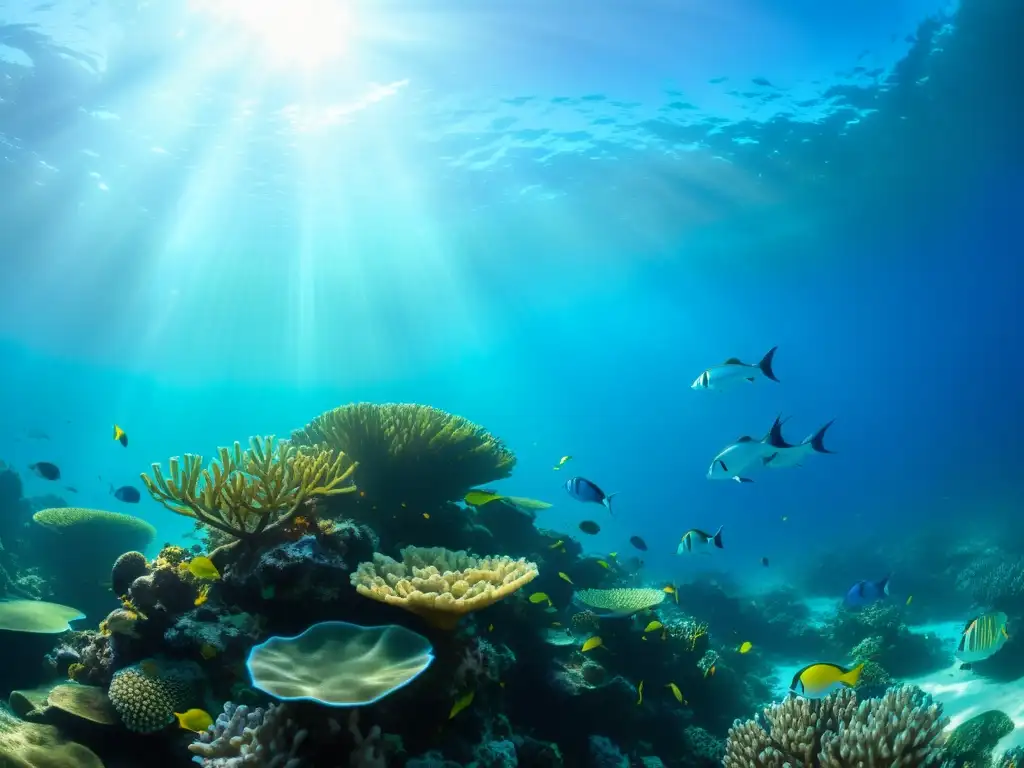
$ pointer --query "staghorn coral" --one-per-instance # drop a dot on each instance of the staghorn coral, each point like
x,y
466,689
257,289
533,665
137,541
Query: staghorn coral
x,y
899,729
410,453
146,695
440,585
242,493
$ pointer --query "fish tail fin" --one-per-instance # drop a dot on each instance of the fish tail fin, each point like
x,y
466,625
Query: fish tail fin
x,y
608,502
817,440
717,538
885,585
851,677
766,364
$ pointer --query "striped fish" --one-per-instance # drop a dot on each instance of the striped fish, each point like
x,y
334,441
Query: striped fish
x,y
982,637
700,541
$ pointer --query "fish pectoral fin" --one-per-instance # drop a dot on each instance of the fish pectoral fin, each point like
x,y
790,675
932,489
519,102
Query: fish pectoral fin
x,y
750,379
739,479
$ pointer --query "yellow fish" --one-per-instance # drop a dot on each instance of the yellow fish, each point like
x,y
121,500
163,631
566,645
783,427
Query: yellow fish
x,y
816,681
556,623
676,692
204,592
909,599
121,436
640,693
592,643
197,720
203,568
461,703
479,498
653,626
613,555
207,651
560,544
603,564
670,589
490,627
562,461
426,516
563,577
745,647
540,597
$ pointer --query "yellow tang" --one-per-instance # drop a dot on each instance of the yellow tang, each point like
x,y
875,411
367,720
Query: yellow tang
x,y
121,436
563,577
197,720
603,564
816,681
204,592
640,693
654,625
479,498
562,461
592,643
557,544
745,647
203,568
675,692
460,704
540,597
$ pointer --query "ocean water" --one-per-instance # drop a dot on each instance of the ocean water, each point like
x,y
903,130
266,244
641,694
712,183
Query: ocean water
x,y
219,221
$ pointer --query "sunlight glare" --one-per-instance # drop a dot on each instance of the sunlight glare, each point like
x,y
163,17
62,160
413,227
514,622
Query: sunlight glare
x,y
303,33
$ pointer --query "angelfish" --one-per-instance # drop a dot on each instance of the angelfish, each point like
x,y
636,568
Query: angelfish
x,y
734,371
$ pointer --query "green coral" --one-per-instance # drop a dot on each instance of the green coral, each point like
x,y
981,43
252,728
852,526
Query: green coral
x,y
244,492
120,532
620,601
973,741
408,453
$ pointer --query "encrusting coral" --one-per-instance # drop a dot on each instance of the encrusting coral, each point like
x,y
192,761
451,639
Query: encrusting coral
x,y
242,493
439,585
410,453
899,729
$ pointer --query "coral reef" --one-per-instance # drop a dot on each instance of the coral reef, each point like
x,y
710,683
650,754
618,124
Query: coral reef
x,y
973,741
146,695
901,729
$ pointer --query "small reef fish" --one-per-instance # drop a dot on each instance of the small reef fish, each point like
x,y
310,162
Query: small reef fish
x,y
197,720
639,543
45,470
592,643
207,651
909,599
589,526
541,597
816,681
764,561
734,371
866,592
982,637
203,568
564,577
479,498
461,703
654,626
490,627
204,593
640,693
603,564
676,692
670,589
584,490
745,647
121,436
696,540
126,493
787,455
560,545
562,461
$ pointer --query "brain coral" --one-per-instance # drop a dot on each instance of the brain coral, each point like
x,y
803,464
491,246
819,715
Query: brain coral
x,y
440,585
146,695
340,664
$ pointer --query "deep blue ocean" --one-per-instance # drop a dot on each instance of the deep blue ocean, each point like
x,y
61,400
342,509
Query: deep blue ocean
x,y
546,219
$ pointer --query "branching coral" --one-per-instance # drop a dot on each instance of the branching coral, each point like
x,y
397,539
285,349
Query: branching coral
x,y
410,453
244,492
899,729
440,585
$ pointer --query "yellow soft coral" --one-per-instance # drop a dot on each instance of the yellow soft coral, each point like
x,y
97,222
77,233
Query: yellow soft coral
x,y
410,453
243,492
440,585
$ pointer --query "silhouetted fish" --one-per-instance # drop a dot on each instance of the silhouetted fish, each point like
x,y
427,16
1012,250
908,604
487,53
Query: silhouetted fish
x,y
46,470
127,494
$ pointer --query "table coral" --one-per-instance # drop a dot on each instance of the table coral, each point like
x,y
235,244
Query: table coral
x,y
899,729
440,585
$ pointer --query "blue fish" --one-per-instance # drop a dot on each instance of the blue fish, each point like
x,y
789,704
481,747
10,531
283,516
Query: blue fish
x,y
127,494
582,489
866,592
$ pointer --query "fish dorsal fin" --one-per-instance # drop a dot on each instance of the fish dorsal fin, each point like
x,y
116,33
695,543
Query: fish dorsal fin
x,y
968,625
744,439
733,361
774,437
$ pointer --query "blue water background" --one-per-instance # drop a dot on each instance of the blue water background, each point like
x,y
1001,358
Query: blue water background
x,y
564,296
